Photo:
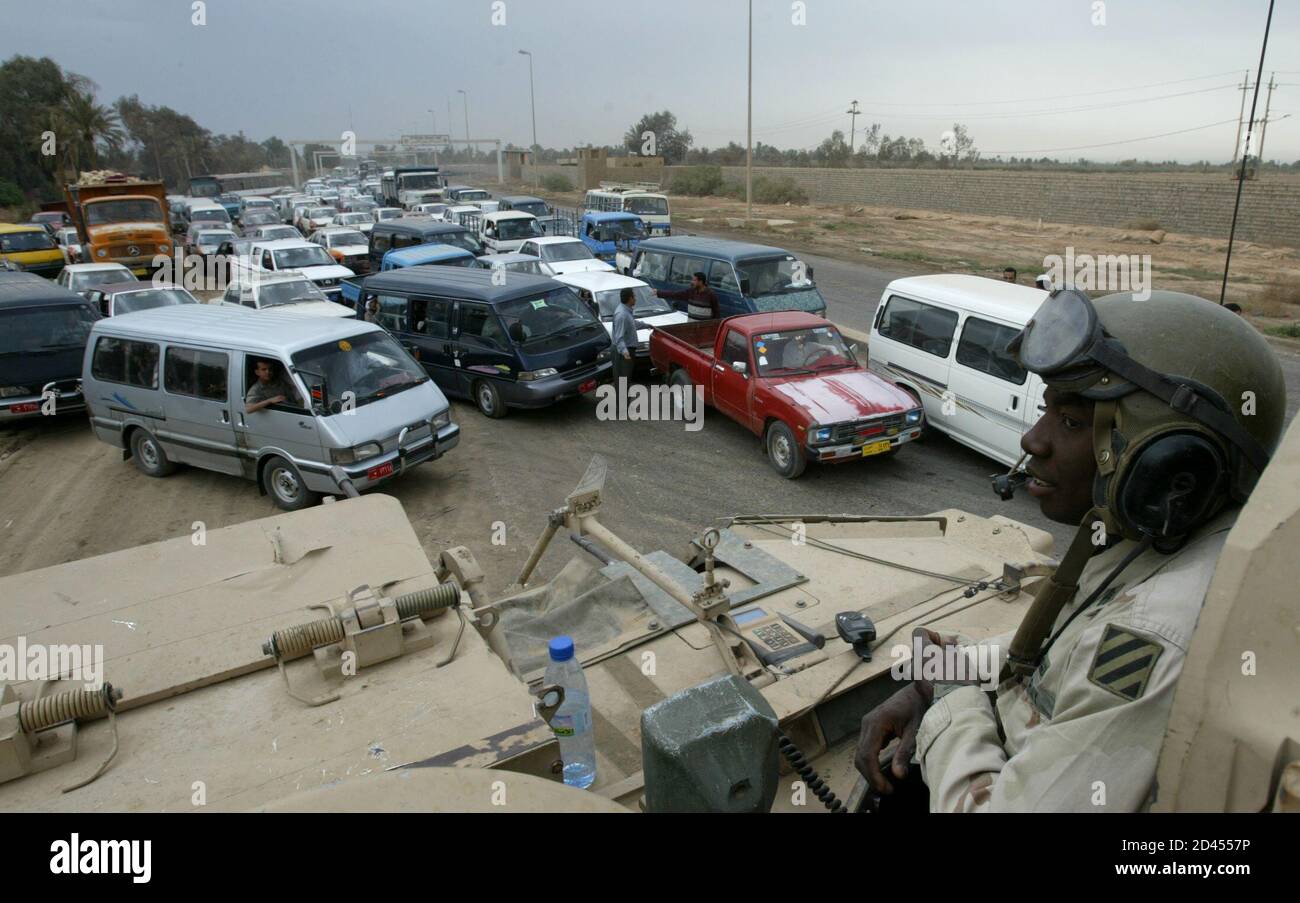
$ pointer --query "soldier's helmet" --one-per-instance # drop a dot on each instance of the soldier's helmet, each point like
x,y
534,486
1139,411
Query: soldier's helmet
x,y
1190,401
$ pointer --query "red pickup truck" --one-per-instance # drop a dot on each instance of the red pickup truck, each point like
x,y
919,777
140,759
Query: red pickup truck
x,y
790,378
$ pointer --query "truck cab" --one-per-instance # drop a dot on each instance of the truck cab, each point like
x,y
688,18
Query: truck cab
x,y
611,235
504,231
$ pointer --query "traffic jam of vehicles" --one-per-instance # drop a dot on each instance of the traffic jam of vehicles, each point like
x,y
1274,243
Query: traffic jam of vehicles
x,y
502,301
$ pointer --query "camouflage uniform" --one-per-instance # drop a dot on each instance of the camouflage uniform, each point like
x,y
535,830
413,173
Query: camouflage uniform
x,y
1084,733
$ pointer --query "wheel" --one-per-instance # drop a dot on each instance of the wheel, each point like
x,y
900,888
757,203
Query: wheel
x,y
149,456
489,400
284,485
680,377
784,451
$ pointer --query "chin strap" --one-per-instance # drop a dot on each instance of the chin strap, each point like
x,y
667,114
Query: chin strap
x,y
1051,595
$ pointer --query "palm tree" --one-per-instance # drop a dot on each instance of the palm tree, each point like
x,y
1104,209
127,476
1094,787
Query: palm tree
x,y
86,126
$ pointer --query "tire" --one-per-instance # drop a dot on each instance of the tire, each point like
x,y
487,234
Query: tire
x,y
148,455
784,452
488,400
680,377
284,485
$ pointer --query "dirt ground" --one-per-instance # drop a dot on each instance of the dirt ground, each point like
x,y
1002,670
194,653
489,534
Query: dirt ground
x,y
1265,280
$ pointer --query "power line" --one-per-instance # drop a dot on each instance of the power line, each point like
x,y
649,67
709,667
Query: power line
x,y
1057,112
1049,150
977,103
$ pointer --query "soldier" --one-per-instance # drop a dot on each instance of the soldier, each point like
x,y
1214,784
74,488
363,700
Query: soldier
x,y
1160,416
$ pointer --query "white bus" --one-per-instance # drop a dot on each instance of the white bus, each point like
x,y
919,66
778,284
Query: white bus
x,y
644,201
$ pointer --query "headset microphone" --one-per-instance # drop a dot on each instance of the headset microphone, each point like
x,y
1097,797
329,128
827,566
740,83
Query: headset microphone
x,y
1006,484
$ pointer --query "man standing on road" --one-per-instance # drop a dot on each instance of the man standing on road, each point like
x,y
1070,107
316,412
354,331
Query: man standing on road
x,y
271,388
1145,445
624,335
701,302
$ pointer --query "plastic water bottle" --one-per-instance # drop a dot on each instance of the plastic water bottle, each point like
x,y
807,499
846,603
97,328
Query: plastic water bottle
x,y
572,723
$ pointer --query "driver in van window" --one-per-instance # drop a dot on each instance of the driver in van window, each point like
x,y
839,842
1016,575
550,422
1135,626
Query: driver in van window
x,y
272,387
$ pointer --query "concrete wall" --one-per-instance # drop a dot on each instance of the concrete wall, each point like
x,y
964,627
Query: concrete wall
x,y
1194,203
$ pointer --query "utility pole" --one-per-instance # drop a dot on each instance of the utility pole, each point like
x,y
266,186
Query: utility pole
x,y
1263,128
466,95
532,99
749,124
1236,142
853,112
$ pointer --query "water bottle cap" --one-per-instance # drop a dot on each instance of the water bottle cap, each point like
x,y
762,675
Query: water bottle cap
x,y
561,649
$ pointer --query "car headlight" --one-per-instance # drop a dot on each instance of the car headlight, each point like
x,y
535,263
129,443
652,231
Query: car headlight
x,y
103,252
914,416
163,249
356,453
820,434
605,354
441,420
530,375
328,282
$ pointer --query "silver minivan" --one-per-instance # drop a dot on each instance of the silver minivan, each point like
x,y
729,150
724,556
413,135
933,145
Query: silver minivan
x,y
182,385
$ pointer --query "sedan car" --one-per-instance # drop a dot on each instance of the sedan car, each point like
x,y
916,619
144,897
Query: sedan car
x,y
83,278
207,241
348,246
258,216
129,297
312,218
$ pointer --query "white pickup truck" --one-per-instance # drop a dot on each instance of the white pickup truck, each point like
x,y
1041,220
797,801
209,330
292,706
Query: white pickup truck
x,y
291,255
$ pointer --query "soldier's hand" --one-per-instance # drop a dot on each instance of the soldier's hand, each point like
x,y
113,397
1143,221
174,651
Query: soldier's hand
x,y
898,716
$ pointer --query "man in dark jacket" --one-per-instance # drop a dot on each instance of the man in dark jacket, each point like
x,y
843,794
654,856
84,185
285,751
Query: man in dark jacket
x,y
701,302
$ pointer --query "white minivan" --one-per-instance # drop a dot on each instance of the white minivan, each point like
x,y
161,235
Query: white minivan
x,y
943,338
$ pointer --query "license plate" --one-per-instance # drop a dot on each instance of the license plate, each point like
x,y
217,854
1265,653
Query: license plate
x,y
587,386
30,407
875,448
378,473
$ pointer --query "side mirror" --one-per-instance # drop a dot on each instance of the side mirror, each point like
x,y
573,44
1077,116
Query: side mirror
x,y
810,274
740,367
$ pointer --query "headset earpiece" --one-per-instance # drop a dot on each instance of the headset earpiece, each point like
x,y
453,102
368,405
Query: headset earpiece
x,y
1172,486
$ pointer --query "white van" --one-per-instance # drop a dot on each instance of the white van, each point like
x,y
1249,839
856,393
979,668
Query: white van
x,y
173,385
943,338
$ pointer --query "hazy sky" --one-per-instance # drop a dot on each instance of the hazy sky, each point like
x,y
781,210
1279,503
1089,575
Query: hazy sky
x,y
1024,75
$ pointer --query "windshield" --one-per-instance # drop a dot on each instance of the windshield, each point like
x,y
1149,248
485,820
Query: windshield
x,y
151,298
207,215
342,239
68,236
260,217
644,206
475,195
618,230
533,320
533,267
536,208
212,239
777,274
101,277
135,210
518,228
33,329
277,294
369,367
352,219
566,250
460,239
278,232
36,240
201,188
321,212
293,258
801,351
389,213
417,181
262,203
647,304
809,299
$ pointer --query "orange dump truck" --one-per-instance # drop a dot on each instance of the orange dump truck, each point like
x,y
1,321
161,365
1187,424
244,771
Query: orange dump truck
x,y
120,220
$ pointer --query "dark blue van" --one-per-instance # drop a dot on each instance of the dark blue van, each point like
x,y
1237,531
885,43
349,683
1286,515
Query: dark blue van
x,y
746,278
43,332
526,342
407,231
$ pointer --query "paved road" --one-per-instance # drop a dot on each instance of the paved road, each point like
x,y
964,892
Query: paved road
x,y
64,495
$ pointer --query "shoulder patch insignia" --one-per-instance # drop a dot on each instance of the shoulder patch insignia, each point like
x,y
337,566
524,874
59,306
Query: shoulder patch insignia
x,y
1124,662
